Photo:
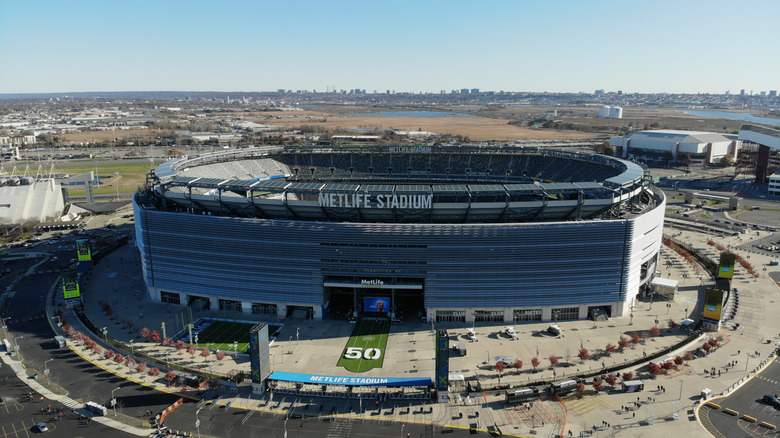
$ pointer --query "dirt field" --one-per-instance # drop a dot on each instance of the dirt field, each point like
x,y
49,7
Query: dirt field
x,y
476,128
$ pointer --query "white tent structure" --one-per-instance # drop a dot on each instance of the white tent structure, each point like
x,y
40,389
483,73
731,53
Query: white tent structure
x,y
37,201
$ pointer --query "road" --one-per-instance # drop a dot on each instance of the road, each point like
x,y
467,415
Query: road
x,y
29,327
747,401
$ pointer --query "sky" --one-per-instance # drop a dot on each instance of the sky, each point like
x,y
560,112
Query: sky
x,y
681,46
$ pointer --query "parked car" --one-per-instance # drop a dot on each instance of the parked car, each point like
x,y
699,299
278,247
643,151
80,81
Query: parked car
x,y
42,427
771,400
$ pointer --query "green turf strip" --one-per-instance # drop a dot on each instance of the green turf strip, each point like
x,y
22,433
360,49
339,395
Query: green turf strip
x,y
366,335
220,335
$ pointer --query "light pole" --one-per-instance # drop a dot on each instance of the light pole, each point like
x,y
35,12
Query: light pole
x,y
197,421
668,306
5,327
747,358
59,323
235,348
132,349
285,426
113,400
297,336
16,345
46,370
681,385
196,340
105,334
116,183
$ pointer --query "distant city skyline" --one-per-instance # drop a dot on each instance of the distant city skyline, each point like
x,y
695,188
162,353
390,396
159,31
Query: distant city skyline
x,y
559,46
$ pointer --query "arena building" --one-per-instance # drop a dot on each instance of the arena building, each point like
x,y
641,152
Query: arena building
x,y
704,147
446,233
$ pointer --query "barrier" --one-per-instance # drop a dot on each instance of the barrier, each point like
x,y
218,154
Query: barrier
x,y
767,425
170,409
749,418
731,412
713,405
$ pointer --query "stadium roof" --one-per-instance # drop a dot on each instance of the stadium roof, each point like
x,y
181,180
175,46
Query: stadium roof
x,y
280,186
682,136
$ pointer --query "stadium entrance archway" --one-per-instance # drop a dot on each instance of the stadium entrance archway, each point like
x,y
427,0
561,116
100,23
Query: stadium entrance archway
x,y
374,296
198,303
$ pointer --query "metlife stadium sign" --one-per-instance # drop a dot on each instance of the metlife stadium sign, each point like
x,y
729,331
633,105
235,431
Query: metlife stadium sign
x,y
350,380
365,200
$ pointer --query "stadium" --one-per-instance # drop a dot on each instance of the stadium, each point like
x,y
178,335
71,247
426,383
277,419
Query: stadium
x,y
501,234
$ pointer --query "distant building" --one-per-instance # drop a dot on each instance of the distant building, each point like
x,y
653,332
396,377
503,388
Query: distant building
x,y
610,112
17,140
774,184
706,147
8,152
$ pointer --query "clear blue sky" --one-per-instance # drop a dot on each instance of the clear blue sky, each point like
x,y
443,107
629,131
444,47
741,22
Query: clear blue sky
x,y
564,46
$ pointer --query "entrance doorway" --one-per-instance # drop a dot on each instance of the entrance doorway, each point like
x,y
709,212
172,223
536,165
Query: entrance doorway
x,y
199,303
379,298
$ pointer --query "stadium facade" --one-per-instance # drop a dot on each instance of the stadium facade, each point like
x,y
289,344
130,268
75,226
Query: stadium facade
x,y
451,234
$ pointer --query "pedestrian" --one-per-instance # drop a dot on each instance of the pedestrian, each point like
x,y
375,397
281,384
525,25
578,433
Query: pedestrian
x,y
738,351
633,415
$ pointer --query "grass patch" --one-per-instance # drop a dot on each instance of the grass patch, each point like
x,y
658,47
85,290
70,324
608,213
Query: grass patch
x,y
360,353
131,176
705,216
220,335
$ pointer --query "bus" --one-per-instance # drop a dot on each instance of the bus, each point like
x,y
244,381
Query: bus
x,y
563,387
513,396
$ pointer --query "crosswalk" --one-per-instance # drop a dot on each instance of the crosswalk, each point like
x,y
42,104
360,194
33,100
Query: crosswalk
x,y
768,380
70,403
339,429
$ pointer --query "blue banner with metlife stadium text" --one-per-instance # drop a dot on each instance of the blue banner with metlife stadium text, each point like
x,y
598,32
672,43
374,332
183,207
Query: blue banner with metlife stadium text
x,y
349,380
